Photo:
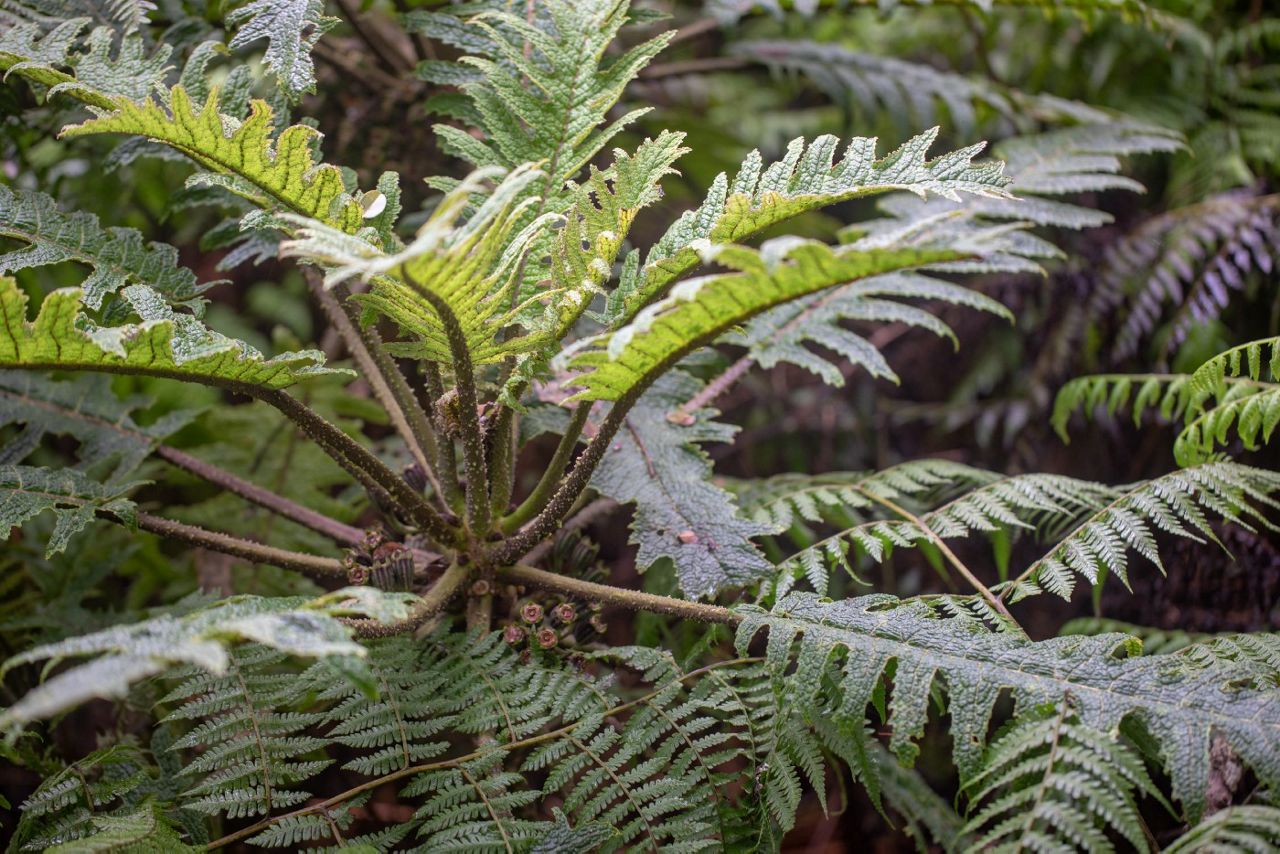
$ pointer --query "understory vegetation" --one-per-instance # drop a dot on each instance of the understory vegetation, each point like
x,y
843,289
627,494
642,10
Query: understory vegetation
x,y
592,425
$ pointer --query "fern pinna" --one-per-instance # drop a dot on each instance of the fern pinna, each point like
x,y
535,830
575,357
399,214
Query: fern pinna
x,y
446,677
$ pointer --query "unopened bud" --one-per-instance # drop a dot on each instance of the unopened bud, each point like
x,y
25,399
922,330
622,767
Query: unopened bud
x,y
481,587
565,613
514,634
415,477
531,612
547,638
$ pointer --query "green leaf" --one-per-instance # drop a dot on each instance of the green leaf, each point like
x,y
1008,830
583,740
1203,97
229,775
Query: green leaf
x,y
27,491
1182,703
701,309
292,28
274,172
118,256
164,344
1231,830
86,409
804,180
680,514
1242,383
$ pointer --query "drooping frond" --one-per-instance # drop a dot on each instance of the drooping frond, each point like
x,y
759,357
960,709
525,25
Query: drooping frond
x,y
909,92
1024,502
1174,503
701,309
680,514
125,654
1254,829
1242,383
729,11
275,172
118,256
804,180
76,500
84,408
1171,396
291,28
164,343
1190,260
865,639
1051,779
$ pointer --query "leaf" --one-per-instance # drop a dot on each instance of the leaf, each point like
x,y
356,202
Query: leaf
x,y
804,180
126,654
85,408
274,172
118,256
28,491
469,268
164,344
1234,829
701,309
292,28
1050,777
1241,382
680,515
1182,706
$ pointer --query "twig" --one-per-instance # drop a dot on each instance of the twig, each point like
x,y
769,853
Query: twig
x,y
384,378
386,53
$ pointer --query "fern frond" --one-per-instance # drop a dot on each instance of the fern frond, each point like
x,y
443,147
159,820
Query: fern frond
x,y
1051,780
102,75
1174,503
1242,383
1023,502
680,514
1230,831
866,637
275,172
1189,259
86,409
701,309
543,95
118,256
71,805
164,343
469,270
128,653
291,28
252,752
804,180
76,500
1171,396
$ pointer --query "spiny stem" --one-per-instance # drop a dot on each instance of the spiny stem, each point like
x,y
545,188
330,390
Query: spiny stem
x,y
487,750
634,600
951,557
265,498
541,493
362,464
384,378
473,454
502,469
446,457
319,567
546,522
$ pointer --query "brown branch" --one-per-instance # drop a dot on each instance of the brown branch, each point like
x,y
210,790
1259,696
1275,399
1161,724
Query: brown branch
x,y
634,600
319,567
265,498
